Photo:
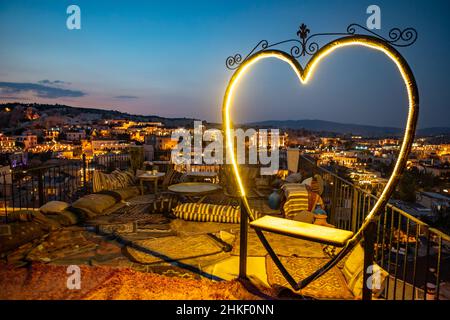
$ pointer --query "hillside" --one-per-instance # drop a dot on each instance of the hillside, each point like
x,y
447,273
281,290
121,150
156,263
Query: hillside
x,y
13,115
347,128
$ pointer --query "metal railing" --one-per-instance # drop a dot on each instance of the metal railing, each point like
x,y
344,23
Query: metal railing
x,y
67,180
415,255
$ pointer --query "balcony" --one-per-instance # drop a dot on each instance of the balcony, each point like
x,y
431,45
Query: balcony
x,y
411,251
415,255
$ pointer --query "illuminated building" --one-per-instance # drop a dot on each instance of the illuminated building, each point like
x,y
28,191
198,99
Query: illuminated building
x,y
29,140
102,146
7,143
161,142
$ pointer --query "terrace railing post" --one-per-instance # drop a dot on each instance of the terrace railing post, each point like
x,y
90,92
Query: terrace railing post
x,y
354,212
5,200
41,187
333,199
84,173
369,242
243,243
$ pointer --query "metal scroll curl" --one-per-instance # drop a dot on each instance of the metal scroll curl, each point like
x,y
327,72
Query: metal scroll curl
x,y
307,44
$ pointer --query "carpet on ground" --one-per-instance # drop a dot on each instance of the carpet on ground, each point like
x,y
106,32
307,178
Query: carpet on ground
x,y
62,243
282,245
228,269
197,250
188,228
331,285
49,282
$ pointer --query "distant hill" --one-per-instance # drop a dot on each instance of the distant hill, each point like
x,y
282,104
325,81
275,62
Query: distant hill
x,y
346,128
23,113
434,131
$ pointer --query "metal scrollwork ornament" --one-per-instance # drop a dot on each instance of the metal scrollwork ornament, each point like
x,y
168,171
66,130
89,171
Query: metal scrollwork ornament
x,y
306,44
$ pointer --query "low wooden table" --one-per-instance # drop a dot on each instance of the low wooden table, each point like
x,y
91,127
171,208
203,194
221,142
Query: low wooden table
x,y
195,191
150,177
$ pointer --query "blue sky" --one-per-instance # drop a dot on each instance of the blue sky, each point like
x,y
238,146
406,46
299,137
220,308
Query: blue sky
x,y
168,58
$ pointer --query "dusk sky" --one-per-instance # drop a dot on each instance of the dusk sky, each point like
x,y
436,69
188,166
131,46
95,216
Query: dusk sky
x,y
168,58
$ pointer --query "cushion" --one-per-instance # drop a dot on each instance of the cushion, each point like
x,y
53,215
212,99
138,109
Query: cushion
x,y
297,199
45,221
315,183
94,203
128,192
353,272
60,219
206,212
111,181
72,217
294,178
54,207
82,214
354,264
304,216
378,277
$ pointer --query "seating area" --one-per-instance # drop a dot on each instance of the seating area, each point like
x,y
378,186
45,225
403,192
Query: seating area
x,y
124,224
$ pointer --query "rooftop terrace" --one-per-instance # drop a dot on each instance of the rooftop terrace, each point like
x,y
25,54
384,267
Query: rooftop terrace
x,y
130,235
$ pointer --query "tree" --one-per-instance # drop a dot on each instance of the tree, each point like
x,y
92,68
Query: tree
x,y
20,144
348,145
406,190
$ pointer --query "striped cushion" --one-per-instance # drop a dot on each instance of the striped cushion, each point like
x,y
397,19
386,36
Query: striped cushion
x,y
111,181
299,198
296,199
206,212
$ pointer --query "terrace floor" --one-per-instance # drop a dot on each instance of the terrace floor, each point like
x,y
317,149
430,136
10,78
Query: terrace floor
x,y
164,250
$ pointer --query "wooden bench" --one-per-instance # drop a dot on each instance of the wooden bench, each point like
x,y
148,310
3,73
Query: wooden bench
x,y
302,230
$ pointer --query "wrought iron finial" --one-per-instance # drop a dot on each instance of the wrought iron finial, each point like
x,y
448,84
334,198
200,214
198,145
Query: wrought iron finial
x,y
303,32
307,45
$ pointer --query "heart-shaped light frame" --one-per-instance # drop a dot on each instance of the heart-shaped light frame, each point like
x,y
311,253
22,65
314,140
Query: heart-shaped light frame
x,y
304,75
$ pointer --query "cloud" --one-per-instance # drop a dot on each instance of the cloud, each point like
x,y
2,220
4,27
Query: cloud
x,y
126,97
55,82
13,98
40,90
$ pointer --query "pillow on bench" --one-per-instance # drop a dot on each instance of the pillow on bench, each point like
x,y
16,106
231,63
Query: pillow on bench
x,y
58,211
93,204
54,207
